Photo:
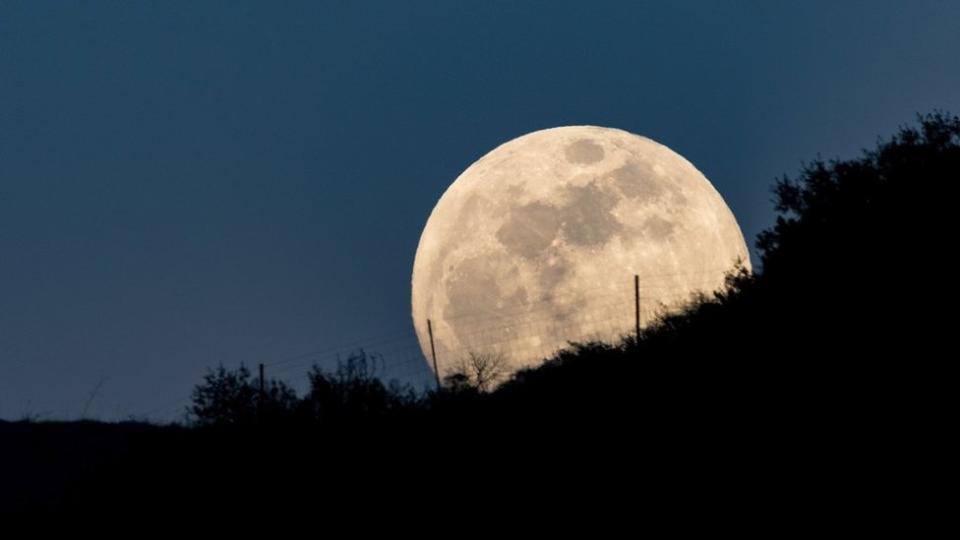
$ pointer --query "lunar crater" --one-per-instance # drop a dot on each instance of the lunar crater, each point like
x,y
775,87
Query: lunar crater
x,y
657,228
584,152
530,229
637,180
587,218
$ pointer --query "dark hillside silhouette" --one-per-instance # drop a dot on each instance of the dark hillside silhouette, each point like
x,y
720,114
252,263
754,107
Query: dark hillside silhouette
x,y
815,366
857,246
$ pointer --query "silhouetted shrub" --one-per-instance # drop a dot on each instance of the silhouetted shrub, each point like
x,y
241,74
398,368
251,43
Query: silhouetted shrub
x,y
232,397
480,371
853,263
354,391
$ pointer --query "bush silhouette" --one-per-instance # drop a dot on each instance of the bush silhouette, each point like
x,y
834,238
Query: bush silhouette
x,y
354,391
477,371
856,243
232,397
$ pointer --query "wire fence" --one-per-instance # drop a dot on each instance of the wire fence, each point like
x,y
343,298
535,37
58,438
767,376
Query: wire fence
x,y
524,331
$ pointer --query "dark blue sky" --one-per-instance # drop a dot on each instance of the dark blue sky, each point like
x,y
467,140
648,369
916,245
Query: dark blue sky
x,y
188,183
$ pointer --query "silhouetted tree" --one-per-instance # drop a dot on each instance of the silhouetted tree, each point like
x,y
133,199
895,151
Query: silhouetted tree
x,y
480,370
231,397
854,256
854,208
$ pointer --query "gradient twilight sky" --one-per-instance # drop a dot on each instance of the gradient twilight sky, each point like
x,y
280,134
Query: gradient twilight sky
x,y
187,183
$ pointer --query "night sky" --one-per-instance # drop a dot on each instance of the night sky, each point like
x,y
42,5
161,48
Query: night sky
x,y
189,183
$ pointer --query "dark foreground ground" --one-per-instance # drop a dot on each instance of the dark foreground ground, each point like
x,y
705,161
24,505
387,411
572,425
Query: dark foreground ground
x,y
817,391
666,452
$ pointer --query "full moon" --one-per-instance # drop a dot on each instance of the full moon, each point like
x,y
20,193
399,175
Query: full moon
x,y
536,245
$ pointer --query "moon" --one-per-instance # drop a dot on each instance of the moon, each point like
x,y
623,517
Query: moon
x,y
536,245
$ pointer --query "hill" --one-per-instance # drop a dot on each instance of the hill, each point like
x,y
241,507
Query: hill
x,y
790,377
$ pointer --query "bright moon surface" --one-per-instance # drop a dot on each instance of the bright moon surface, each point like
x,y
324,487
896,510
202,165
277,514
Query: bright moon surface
x,y
537,243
